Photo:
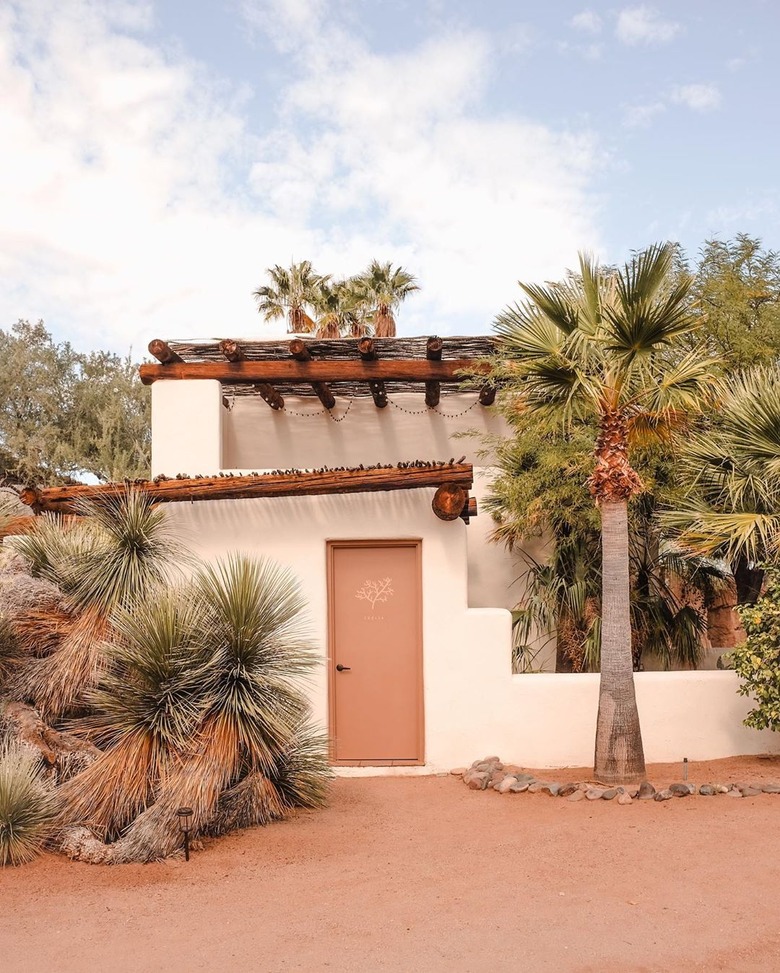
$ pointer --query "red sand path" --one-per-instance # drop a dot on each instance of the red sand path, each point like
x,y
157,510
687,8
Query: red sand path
x,y
409,874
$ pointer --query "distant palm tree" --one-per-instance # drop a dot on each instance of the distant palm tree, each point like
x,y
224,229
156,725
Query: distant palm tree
x,y
382,288
290,293
339,310
602,345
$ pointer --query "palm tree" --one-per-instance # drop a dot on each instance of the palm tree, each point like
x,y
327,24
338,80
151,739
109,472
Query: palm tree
x,y
601,345
734,508
290,293
383,288
340,310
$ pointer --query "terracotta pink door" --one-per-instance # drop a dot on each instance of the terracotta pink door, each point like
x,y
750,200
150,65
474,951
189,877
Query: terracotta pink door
x,y
375,652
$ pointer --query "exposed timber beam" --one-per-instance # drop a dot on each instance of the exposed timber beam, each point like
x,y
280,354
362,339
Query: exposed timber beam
x,y
469,510
369,356
163,352
300,352
328,370
233,352
433,350
449,501
487,395
65,499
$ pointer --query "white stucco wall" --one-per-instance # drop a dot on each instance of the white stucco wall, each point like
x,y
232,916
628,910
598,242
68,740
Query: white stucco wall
x,y
304,435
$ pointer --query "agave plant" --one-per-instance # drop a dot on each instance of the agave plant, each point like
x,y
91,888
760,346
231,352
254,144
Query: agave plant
x,y
28,807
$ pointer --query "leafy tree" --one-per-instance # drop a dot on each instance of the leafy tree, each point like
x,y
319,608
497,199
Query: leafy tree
x,y
602,347
737,288
757,662
67,414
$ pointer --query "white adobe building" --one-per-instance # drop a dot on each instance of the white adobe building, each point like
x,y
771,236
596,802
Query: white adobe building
x,y
410,611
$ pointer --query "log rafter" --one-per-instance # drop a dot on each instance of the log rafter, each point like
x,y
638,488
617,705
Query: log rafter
x,y
233,352
408,476
300,352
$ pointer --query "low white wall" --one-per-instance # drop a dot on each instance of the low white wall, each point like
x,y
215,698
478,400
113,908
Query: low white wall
x,y
549,720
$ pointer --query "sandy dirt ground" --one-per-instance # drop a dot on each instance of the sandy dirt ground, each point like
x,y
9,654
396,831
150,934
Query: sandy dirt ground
x,y
409,874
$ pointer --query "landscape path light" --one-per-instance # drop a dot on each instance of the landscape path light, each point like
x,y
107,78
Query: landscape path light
x,y
184,814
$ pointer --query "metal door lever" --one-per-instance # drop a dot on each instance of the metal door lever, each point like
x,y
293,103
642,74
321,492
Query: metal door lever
x,y
341,668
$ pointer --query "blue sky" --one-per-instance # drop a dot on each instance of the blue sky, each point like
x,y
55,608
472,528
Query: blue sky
x,y
159,154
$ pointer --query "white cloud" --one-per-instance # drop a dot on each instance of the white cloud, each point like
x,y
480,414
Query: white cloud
x,y
137,202
644,25
697,97
586,20
640,116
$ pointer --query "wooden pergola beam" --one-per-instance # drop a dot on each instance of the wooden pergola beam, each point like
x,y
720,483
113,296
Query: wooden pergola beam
x,y
300,352
64,499
328,370
368,355
162,351
433,351
233,352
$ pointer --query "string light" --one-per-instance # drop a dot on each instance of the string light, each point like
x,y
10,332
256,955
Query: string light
x,y
410,412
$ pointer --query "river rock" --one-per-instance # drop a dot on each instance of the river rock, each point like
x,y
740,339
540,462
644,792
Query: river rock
x,y
566,789
551,788
681,789
610,794
594,793
477,781
458,771
625,798
771,788
632,790
506,784
665,795
707,790
519,786
646,791
577,796
733,793
751,791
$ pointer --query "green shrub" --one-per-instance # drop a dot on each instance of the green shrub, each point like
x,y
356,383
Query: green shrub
x,y
27,806
757,662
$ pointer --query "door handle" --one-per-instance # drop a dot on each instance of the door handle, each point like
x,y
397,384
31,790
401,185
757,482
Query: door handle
x,y
341,668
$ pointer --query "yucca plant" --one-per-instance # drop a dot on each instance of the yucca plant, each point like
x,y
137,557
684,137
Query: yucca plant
x,y
145,709
28,807
121,549
251,755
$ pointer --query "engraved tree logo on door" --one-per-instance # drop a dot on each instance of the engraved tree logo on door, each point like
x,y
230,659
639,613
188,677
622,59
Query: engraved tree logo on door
x,y
375,592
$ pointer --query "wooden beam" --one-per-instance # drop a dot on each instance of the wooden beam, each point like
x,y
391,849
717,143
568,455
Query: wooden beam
x,y
368,355
433,351
64,499
449,500
329,370
300,352
233,352
487,395
469,509
162,351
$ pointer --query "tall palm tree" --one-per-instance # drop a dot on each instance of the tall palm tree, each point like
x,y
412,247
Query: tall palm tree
x,y
383,288
734,508
289,295
601,345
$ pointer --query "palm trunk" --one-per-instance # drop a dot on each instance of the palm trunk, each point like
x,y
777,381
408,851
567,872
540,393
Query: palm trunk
x,y
619,754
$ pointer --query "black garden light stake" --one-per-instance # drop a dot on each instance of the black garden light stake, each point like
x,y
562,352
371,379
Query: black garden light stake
x,y
184,814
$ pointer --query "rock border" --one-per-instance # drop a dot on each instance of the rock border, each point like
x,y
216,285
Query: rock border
x,y
491,774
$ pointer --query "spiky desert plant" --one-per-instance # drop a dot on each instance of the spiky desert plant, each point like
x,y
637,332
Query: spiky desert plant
x,y
27,806
253,717
122,548
10,652
146,706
